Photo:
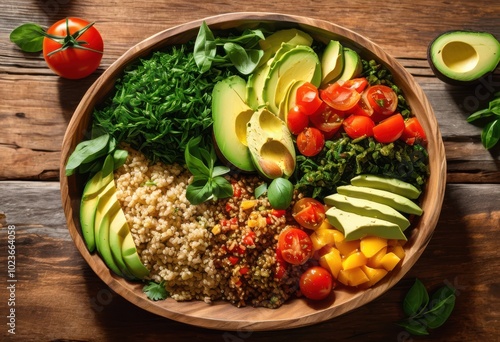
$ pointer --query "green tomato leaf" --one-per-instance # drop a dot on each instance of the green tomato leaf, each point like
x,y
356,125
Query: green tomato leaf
x,y
414,327
244,60
280,193
29,37
260,190
490,134
416,299
205,48
199,190
441,305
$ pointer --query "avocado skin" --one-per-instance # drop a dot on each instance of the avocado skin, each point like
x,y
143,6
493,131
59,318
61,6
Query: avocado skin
x,y
445,78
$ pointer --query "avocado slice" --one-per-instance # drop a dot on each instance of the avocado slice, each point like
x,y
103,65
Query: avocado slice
x,y
230,115
297,63
356,226
352,65
273,42
104,236
118,229
463,57
131,257
332,62
271,145
255,86
391,199
367,208
104,203
387,183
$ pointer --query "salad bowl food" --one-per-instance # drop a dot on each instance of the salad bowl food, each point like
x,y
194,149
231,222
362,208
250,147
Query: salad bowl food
x,y
203,307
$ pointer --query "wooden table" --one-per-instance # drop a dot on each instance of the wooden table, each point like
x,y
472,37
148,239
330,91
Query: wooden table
x,y
58,297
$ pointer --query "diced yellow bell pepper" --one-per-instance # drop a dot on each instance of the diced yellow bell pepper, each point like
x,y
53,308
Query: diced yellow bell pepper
x,y
398,250
354,260
374,275
347,247
376,260
352,277
389,261
332,261
370,245
322,237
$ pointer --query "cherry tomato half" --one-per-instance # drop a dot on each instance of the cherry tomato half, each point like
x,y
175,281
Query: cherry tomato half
x,y
382,99
359,84
309,213
308,98
73,61
310,141
357,126
413,132
390,129
316,283
297,120
340,97
295,246
327,119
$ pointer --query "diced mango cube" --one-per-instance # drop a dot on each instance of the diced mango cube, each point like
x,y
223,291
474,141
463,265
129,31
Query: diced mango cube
x,y
398,250
354,260
322,237
332,261
370,245
389,261
347,247
374,275
352,277
326,225
376,260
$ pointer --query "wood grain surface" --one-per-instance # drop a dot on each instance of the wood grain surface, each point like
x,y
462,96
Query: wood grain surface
x,y
59,297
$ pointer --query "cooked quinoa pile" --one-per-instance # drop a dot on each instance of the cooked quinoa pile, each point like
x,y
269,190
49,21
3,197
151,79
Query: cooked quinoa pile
x,y
219,250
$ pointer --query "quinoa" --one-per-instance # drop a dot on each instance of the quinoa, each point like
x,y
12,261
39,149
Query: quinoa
x,y
218,250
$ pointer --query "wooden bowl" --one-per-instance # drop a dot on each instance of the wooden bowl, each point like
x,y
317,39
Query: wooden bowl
x,y
297,312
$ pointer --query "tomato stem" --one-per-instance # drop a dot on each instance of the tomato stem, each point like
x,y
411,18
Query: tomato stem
x,y
71,40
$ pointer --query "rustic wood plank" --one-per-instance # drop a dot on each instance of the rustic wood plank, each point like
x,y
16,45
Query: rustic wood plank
x,y
53,278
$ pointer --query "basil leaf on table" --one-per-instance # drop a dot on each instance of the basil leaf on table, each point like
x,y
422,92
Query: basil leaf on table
x,y
416,299
490,134
29,37
441,306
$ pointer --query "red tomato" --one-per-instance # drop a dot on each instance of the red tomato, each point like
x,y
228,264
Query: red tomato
x,y
357,126
340,97
308,98
382,99
316,283
310,141
309,213
413,132
327,119
297,120
358,84
77,57
390,129
295,246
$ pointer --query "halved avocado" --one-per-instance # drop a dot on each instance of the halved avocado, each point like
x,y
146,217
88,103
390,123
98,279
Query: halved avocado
x,y
463,57
271,145
231,114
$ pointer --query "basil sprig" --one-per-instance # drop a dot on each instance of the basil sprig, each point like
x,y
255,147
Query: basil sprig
x,y
242,51
208,181
490,135
426,312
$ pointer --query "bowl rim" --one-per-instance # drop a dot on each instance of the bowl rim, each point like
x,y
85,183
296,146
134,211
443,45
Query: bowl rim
x,y
199,313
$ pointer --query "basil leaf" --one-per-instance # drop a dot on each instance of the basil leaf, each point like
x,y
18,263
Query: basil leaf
x,y
119,156
194,158
414,327
29,37
441,306
480,114
205,48
87,151
245,61
199,190
221,187
416,299
220,170
260,190
280,193
490,134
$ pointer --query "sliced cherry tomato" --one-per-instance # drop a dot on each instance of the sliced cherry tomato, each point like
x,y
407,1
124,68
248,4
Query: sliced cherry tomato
x,y
308,98
413,132
357,126
382,99
73,58
359,84
316,283
390,129
310,141
297,120
339,96
327,119
295,245
309,213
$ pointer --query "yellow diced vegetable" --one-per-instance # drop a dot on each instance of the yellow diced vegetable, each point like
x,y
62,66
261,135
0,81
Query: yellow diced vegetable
x,y
332,261
389,261
376,260
248,204
352,277
322,237
374,275
354,260
370,245
347,247
398,250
